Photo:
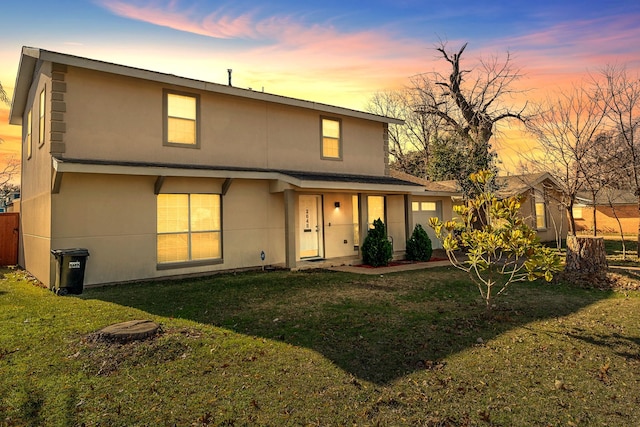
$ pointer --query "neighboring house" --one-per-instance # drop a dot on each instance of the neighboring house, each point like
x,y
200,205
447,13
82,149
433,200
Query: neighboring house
x,y
613,209
8,201
158,175
541,206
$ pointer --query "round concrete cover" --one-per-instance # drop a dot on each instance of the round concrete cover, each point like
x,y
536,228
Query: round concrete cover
x,y
131,330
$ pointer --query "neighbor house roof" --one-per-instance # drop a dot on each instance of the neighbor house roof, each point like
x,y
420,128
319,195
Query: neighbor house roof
x,y
433,188
509,185
512,185
609,196
32,56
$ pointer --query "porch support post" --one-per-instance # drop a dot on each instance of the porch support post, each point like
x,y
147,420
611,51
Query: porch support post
x,y
364,218
290,228
408,216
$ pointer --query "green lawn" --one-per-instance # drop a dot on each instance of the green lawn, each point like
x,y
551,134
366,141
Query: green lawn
x,y
320,348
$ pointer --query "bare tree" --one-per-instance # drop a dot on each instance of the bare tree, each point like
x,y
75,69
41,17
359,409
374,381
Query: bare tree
x,y
566,128
621,93
471,102
600,169
409,144
3,95
11,169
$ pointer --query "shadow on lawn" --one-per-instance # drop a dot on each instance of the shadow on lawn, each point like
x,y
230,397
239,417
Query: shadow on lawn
x,y
376,328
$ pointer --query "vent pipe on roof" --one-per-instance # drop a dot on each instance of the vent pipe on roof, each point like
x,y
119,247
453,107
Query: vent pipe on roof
x,y
229,70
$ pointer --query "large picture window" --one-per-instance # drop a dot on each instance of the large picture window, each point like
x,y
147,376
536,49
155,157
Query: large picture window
x,y
189,227
331,139
181,113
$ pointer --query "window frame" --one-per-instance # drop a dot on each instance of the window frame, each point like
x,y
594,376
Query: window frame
x,y
42,117
322,137
190,262
543,216
165,119
29,135
370,218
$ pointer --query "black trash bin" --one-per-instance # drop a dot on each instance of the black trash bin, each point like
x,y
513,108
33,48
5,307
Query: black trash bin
x,y
70,272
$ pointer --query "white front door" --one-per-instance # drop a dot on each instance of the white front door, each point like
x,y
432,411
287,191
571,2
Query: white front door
x,y
310,226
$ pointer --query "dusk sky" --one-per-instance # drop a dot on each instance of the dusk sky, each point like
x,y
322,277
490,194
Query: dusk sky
x,y
335,52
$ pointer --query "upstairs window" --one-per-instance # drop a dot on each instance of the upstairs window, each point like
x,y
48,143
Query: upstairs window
x,y
41,119
181,113
331,139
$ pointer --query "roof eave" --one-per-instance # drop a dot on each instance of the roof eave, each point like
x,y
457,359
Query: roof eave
x,y
26,69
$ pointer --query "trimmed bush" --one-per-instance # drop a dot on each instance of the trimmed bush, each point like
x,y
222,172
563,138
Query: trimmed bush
x,y
419,245
377,250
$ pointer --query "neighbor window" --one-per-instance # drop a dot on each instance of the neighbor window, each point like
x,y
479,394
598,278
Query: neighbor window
x,y
541,216
189,227
181,113
331,139
376,209
424,206
28,138
577,212
41,119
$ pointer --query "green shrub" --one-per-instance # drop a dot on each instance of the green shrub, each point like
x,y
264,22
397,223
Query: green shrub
x,y
419,245
377,250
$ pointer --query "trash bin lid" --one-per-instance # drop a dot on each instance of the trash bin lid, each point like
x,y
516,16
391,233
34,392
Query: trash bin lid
x,y
71,252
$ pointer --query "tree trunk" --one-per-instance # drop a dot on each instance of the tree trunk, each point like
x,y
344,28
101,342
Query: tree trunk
x,y
586,254
624,246
572,221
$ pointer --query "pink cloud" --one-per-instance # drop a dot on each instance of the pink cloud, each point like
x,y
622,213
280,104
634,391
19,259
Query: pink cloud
x,y
295,57
221,23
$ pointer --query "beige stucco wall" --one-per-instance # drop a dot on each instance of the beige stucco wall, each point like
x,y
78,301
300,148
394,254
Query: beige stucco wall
x,y
114,217
234,131
35,221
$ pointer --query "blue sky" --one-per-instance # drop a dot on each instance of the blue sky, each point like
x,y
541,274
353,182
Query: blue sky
x,y
337,52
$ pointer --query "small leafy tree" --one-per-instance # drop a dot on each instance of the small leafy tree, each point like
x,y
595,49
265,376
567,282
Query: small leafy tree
x,y
502,250
377,249
419,245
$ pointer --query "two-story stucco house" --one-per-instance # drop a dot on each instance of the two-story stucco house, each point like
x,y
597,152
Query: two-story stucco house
x,y
158,175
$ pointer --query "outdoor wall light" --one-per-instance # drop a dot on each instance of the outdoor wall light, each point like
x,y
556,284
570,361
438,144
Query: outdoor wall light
x,y
337,204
